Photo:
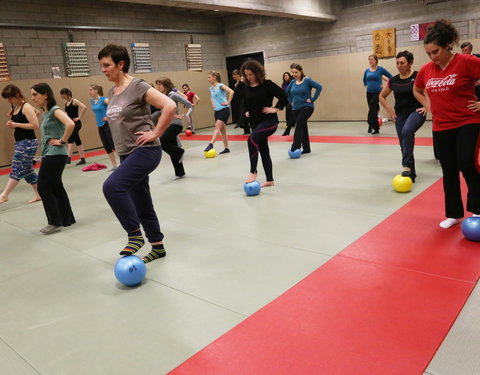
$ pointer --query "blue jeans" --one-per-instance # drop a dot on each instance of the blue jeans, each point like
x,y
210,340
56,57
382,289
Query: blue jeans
x,y
128,193
406,125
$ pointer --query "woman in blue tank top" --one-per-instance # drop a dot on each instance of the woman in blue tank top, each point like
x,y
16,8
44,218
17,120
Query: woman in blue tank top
x,y
221,107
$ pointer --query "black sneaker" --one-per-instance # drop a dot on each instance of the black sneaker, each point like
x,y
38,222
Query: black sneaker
x,y
409,174
226,151
208,148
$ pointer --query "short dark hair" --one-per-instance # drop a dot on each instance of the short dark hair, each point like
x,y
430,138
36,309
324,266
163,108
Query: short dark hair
x,y
407,54
443,34
66,91
236,71
257,69
12,91
466,44
297,67
165,82
186,85
116,53
45,89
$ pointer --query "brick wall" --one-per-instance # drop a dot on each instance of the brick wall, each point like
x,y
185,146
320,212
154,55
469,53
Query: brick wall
x,y
32,52
284,40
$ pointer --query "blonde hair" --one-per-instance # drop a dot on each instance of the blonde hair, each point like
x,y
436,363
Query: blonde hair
x,y
217,75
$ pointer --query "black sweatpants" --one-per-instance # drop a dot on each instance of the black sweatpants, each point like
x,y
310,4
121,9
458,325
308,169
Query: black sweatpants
x,y
373,108
258,143
54,197
300,137
169,142
457,150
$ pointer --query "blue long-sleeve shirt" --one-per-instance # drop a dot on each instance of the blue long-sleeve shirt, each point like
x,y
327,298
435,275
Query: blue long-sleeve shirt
x,y
298,94
373,80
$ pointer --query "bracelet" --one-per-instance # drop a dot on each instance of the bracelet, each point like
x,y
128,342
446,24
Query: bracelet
x,y
62,142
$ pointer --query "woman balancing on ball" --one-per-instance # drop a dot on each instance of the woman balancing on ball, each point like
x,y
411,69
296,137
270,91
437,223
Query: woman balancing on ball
x,y
137,143
263,117
409,115
169,139
449,80
221,107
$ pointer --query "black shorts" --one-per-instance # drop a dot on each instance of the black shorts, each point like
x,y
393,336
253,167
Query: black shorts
x,y
222,115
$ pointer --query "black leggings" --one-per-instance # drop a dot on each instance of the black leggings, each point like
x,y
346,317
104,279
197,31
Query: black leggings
x,y
50,187
106,137
170,145
300,137
258,143
457,150
373,108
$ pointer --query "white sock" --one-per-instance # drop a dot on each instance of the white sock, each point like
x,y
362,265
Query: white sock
x,y
447,223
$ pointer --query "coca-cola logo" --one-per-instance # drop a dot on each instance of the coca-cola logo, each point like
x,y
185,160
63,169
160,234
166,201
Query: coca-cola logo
x,y
442,82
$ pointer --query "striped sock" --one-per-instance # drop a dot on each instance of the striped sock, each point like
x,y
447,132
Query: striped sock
x,y
158,251
135,242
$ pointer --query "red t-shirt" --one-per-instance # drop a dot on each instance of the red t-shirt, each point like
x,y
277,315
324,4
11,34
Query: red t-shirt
x,y
190,96
450,90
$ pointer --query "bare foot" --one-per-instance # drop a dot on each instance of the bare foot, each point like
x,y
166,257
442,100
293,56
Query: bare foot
x,y
268,183
3,199
251,177
36,199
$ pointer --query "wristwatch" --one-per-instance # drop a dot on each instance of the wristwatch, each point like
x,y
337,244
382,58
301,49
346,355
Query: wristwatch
x,y
62,142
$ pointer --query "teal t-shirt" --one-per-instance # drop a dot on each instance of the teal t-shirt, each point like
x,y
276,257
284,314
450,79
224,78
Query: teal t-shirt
x,y
52,128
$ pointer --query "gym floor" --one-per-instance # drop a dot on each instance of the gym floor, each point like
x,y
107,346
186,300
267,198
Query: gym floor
x,y
228,255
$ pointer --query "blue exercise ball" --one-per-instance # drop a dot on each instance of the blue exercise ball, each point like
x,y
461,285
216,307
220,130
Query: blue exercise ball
x,y
252,188
471,228
130,270
295,154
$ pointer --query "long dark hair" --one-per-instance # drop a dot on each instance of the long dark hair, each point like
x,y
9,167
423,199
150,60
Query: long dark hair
x,y
289,77
12,91
45,89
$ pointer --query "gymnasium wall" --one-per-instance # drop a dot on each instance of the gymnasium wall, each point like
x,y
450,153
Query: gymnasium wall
x,y
202,116
33,32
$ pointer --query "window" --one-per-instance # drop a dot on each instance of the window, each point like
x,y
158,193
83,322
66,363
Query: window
x,y
347,4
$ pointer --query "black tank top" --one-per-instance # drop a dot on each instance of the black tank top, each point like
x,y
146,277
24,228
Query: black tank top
x,y
21,134
72,110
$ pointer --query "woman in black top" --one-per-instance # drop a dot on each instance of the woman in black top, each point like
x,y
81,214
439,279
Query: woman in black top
x,y
75,110
238,103
23,119
289,118
263,117
409,115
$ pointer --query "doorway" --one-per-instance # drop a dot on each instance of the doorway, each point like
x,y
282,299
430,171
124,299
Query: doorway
x,y
235,62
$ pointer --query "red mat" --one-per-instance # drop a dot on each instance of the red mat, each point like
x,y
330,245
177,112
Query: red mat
x,y
382,306
319,139
89,154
